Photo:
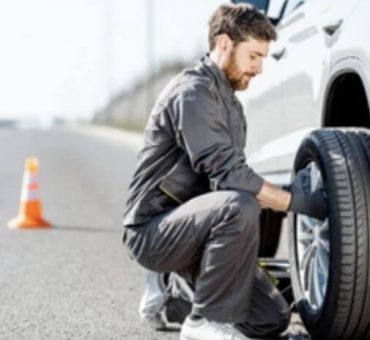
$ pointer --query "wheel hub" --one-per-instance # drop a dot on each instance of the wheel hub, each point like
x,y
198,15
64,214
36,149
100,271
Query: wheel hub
x,y
313,249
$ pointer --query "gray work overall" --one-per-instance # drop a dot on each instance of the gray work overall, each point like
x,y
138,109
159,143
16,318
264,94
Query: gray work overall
x,y
192,206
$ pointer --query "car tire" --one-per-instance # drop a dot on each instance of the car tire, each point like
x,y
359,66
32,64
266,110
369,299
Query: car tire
x,y
330,260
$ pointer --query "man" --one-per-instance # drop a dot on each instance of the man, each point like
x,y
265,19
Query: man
x,y
194,202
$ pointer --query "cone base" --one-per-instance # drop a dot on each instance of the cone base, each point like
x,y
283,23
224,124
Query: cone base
x,y
22,222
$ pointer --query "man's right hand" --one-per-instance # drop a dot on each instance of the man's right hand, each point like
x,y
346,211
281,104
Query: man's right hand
x,y
303,201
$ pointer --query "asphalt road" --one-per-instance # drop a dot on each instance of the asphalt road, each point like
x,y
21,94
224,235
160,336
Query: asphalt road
x,y
73,281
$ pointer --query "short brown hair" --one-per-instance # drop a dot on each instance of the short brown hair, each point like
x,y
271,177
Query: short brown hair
x,y
239,21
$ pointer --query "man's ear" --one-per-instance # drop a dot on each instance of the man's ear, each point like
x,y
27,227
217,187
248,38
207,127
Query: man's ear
x,y
225,43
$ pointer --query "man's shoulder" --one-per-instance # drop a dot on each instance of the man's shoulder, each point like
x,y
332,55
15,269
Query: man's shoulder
x,y
194,78
191,80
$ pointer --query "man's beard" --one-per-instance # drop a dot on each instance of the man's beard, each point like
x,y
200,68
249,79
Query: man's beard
x,y
238,80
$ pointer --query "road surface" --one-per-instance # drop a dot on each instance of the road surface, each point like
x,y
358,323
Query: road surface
x,y
73,281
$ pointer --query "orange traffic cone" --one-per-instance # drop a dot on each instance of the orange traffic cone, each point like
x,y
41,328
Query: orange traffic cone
x,y
30,210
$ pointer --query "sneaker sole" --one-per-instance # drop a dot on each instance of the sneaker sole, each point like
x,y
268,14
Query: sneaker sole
x,y
184,337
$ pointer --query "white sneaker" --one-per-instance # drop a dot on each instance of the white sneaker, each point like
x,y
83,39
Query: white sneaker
x,y
152,302
156,321
204,329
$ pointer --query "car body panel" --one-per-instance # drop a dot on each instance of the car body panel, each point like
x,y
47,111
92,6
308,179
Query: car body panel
x,y
318,41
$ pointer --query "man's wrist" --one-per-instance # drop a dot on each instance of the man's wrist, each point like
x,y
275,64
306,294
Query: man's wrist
x,y
286,187
289,202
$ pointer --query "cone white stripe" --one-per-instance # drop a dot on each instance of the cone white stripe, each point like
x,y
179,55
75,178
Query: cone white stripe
x,y
29,178
30,195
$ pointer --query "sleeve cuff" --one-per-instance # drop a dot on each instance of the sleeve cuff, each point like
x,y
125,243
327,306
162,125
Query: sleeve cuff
x,y
255,184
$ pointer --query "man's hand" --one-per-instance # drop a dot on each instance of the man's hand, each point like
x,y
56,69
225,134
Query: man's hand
x,y
295,197
303,201
300,184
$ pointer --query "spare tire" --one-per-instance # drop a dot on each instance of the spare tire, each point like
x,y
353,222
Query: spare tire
x,y
330,260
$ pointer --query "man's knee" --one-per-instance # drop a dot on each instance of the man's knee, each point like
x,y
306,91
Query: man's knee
x,y
245,209
246,202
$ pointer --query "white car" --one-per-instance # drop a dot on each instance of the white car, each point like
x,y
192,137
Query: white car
x,y
310,108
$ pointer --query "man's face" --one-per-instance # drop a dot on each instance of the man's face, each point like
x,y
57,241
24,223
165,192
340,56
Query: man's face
x,y
244,61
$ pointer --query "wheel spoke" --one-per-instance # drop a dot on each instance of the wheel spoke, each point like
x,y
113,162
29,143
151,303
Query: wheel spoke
x,y
306,222
324,227
311,278
307,255
317,275
325,244
305,237
323,262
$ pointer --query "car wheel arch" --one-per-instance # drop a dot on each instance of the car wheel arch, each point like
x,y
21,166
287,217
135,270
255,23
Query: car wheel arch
x,y
347,75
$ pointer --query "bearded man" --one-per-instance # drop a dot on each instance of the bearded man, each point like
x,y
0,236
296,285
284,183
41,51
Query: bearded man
x,y
194,202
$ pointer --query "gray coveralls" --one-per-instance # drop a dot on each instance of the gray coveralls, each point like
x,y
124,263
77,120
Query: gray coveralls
x,y
192,207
